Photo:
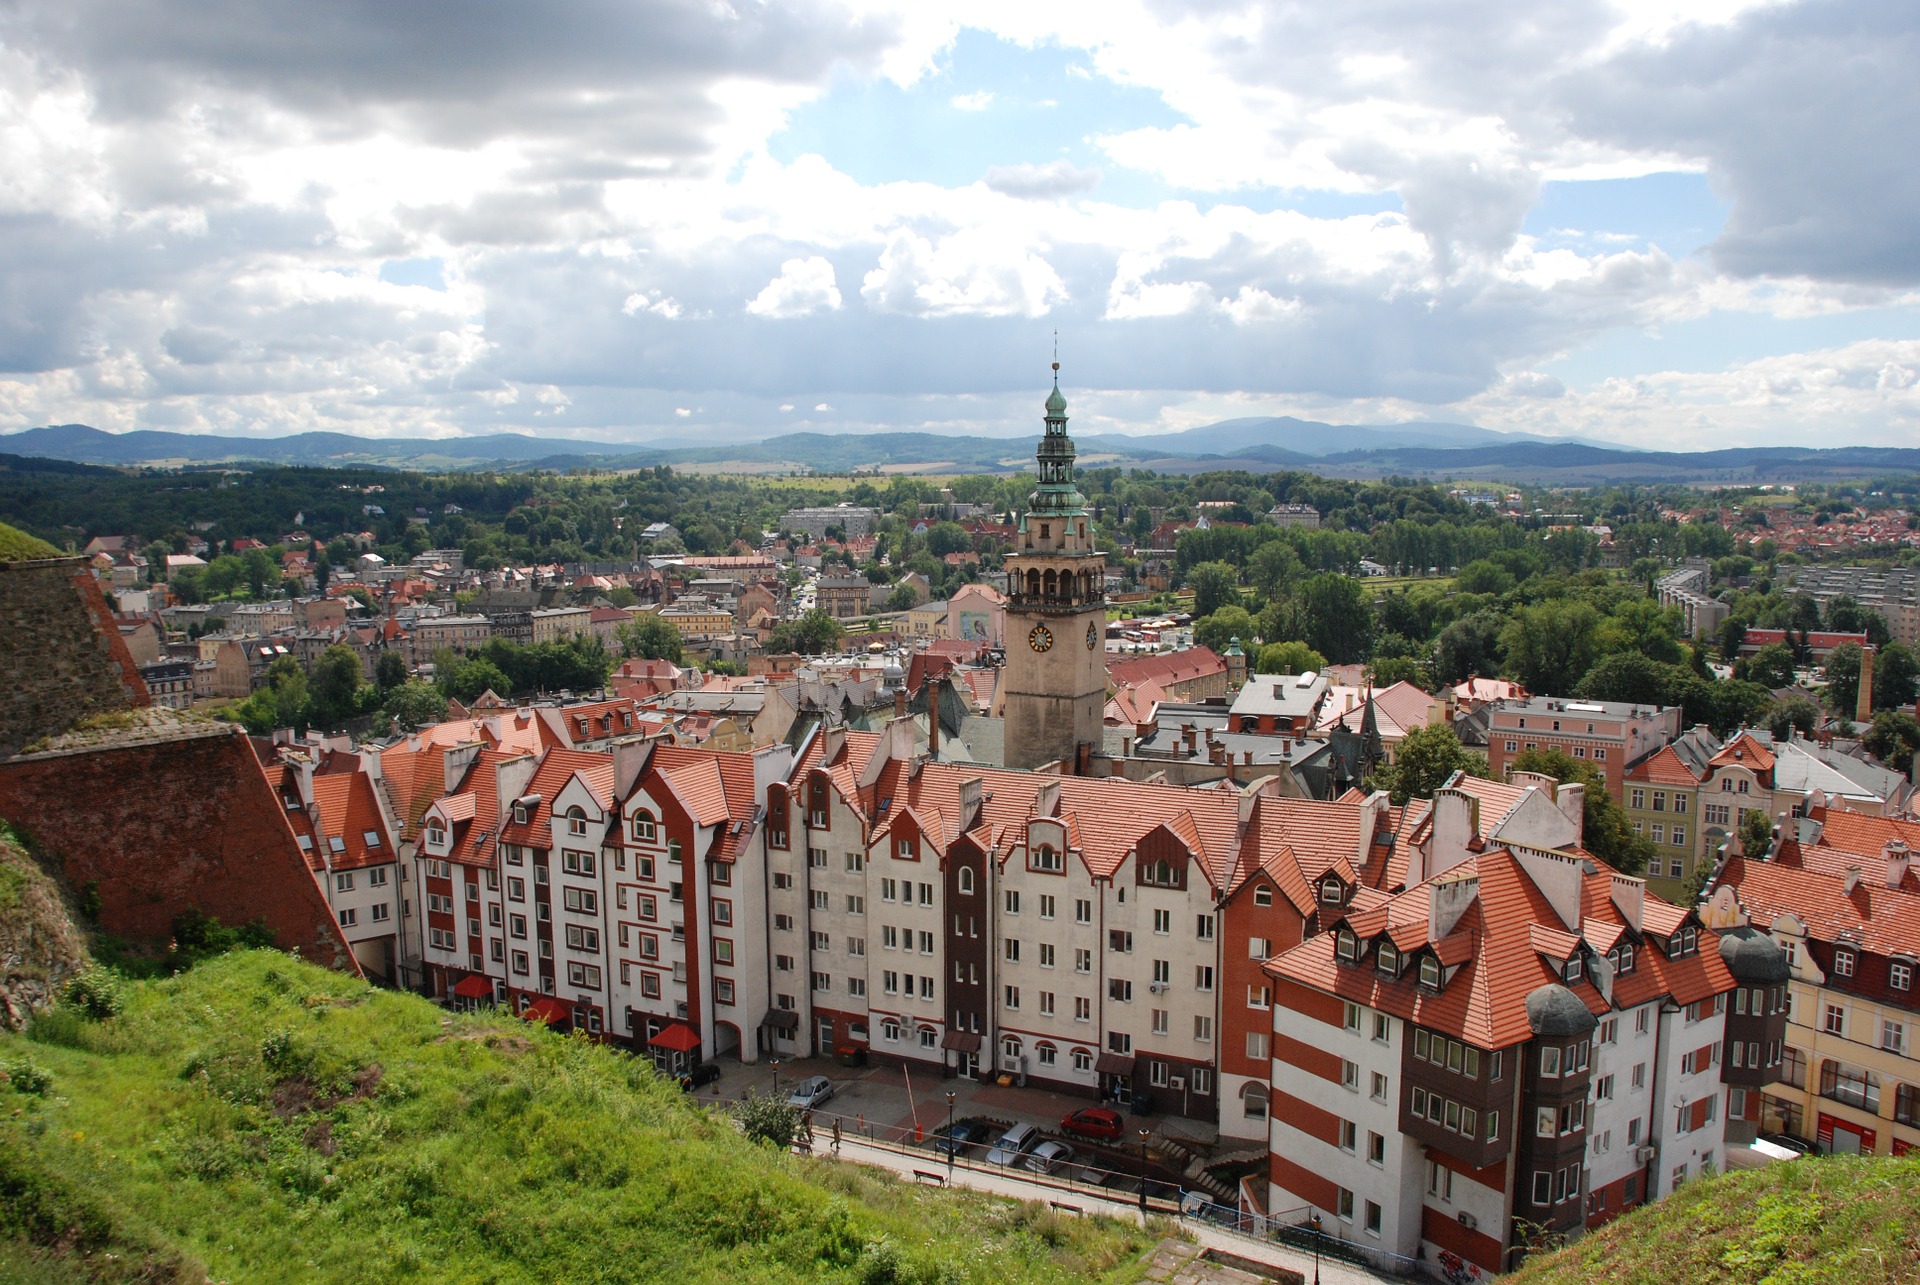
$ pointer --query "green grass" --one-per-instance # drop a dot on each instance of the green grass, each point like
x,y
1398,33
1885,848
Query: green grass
x,y
259,1119
17,546
1805,1222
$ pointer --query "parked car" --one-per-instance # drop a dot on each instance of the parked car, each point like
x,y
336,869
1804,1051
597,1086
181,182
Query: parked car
x,y
1098,1123
700,1076
1047,1157
1788,1141
961,1137
1013,1144
811,1092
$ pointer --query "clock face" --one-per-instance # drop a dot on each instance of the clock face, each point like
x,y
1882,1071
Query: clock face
x,y
1092,637
1041,638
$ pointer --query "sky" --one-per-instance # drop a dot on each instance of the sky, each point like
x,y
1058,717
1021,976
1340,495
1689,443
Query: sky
x,y
691,221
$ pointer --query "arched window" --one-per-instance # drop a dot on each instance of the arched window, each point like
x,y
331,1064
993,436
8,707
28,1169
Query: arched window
x,y
1253,1100
576,821
1046,1053
1033,584
1010,1048
1051,584
644,826
1082,1061
966,881
436,834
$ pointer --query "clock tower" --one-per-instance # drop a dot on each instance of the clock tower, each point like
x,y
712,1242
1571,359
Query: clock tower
x,y
1056,674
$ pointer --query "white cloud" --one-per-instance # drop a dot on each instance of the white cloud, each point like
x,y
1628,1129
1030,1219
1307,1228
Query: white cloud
x,y
804,286
196,216
970,273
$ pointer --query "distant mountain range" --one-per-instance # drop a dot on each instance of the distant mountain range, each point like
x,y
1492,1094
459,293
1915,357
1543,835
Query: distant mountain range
x,y
1455,451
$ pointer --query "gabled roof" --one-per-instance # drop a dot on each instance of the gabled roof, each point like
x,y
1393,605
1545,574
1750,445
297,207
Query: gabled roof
x,y
1662,767
350,831
1745,750
1504,947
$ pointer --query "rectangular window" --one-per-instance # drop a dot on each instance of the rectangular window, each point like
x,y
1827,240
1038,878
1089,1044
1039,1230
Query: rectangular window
x,y
1082,961
1257,1045
1203,977
1082,911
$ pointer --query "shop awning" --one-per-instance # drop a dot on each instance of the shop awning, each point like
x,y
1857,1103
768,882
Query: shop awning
x,y
961,1041
1113,1064
781,1019
473,988
676,1037
548,1010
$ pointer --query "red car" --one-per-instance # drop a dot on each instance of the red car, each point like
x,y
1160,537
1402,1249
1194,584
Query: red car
x,y
1095,1122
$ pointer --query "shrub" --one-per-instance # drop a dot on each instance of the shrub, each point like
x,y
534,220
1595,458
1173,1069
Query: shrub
x,y
768,1119
24,1077
95,991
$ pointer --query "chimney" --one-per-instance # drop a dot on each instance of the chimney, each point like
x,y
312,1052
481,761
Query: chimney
x,y
933,717
971,797
1863,702
1853,879
1897,858
1572,800
900,703
1448,899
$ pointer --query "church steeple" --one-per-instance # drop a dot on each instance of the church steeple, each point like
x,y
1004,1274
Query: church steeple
x,y
1056,496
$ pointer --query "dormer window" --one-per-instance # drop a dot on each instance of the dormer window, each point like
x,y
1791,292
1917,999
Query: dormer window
x,y
1346,945
1843,963
1162,874
1689,940
1621,958
576,821
645,828
1330,892
1430,972
436,834
1388,959
519,813
1046,857
1571,970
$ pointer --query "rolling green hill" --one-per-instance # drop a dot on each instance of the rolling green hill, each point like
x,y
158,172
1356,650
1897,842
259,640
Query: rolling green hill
x,y
260,1119
1808,1222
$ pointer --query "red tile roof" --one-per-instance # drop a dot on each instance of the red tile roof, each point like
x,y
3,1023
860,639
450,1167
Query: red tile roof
x,y
1663,767
1166,668
1503,945
1878,919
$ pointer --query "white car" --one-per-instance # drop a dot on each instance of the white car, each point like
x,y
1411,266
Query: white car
x,y
1013,1144
811,1092
1048,1157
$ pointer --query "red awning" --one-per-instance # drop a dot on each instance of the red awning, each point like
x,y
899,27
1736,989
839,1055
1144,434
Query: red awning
x,y
676,1037
473,988
548,1010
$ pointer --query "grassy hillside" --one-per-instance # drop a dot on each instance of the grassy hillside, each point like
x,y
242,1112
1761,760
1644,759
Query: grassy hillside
x,y
1807,1222
17,546
259,1119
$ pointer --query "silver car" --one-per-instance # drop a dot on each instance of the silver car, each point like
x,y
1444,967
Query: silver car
x,y
811,1092
1013,1144
1048,1157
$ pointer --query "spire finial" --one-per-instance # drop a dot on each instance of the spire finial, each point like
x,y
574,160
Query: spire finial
x,y
1056,356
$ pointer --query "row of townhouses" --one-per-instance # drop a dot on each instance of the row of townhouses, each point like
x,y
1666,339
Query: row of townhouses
x,y
1396,1002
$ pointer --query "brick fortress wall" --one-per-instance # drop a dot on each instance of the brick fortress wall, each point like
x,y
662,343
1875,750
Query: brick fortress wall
x,y
167,822
60,652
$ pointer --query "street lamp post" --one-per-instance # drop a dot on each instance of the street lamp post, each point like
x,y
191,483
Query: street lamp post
x,y
953,1145
776,1076
1314,1222
1143,1173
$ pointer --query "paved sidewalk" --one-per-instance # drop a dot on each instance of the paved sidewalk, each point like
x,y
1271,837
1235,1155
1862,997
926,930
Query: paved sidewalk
x,y
1006,1183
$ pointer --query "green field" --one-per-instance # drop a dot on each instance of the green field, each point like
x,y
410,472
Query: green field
x,y
260,1119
